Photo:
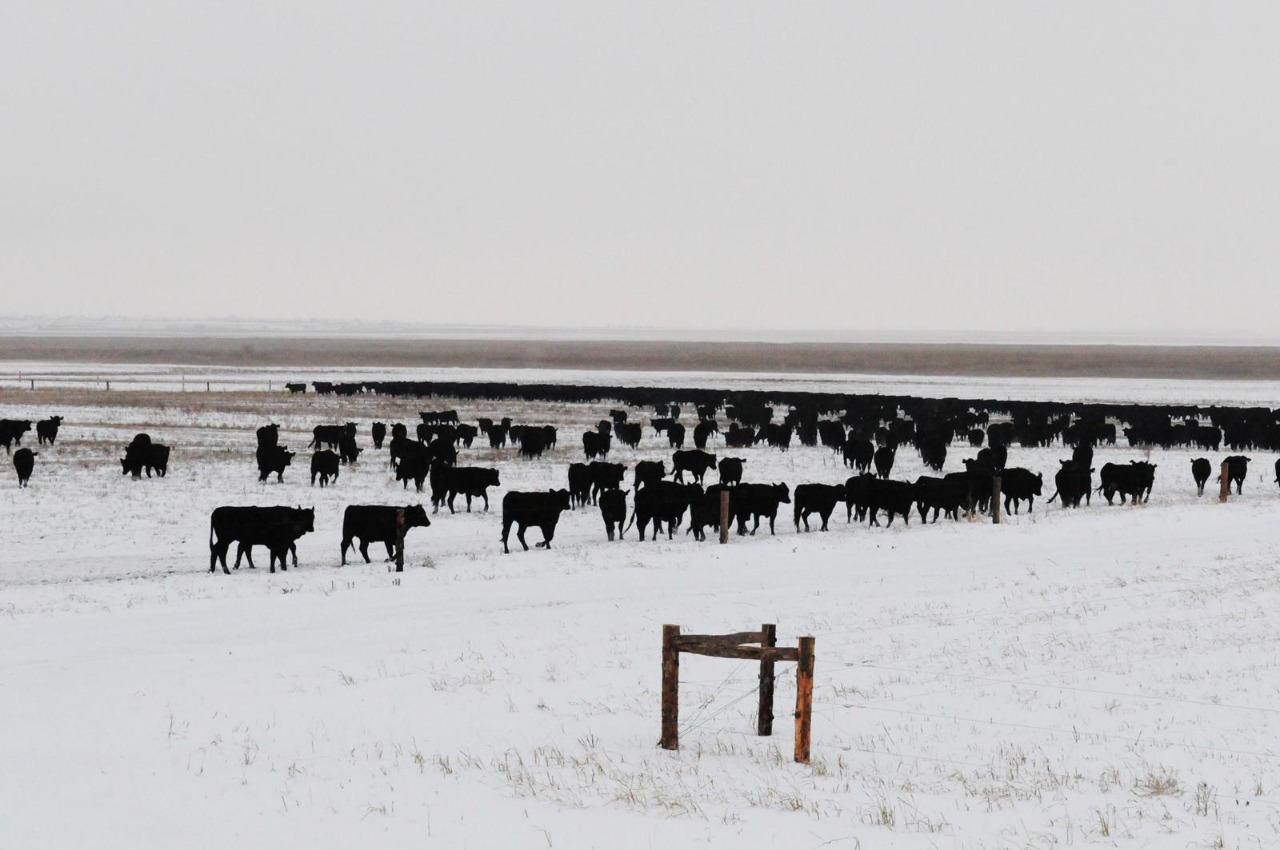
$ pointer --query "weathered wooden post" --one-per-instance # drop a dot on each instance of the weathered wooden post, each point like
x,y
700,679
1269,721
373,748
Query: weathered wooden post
x,y
399,540
108,386
33,383
995,499
670,687
206,386
804,699
724,516
1224,488
764,717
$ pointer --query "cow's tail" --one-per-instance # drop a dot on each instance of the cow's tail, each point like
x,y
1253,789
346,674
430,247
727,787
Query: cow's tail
x,y
629,522
1051,498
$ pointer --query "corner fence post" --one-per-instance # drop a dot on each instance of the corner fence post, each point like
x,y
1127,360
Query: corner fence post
x,y
764,717
670,687
724,516
995,500
1224,486
804,699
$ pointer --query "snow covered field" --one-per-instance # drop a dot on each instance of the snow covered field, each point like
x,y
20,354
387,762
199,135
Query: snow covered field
x,y
1100,677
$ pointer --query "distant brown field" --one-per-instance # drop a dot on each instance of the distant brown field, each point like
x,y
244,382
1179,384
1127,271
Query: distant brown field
x,y
1042,361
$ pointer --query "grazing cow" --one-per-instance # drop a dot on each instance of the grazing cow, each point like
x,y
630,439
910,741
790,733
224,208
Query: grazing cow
x,y
348,451
268,435
1237,469
274,459
595,444
330,436
278,528
538,509
325,464
613,510
647,472
47,429
497,437
1201,469
675,435
414,462
739,437
472,482
663,502
1132,480
1017,484
1074,482
884,460
756,501
579,484
628,434
377,524
24,460
859,453
378,431
11,431
693,461
779,436
142,454
296,388
661,424
466,433
816,498
533,443
549,436
933,452
605,476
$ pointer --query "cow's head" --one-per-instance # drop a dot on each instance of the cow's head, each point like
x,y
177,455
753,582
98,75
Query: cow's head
x,y
561,499
415,517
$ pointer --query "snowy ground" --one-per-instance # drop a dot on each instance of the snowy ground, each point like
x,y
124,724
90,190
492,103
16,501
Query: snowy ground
x,y
1103,677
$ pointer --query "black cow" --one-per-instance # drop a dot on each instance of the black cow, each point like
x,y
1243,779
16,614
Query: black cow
x,y
579,484
618,416
472,482
884,460
1237,469
693,461
47,429
756,501
702,431
1132,480
377,524
533,443
268,435
816,498
1074,482
1201,469
378,431
466,433
941,495
663,502
331,436
857,495
24,460
994,457
274,459
296,388
675,435
605,476
526,509
730,470
859,453
413,464
348,451
595,444
661,424
613,510
278,528
142,454
895,498
628,434
1017,485
325,464
11,431
649,471
605,426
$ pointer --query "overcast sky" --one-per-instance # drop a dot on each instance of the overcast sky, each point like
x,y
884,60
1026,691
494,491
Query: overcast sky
x,y
934,166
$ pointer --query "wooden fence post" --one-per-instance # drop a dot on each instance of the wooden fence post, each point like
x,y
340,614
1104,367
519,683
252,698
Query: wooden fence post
x,y
995,500
724,516
1224,487
764,717
399,540
804,699
670,687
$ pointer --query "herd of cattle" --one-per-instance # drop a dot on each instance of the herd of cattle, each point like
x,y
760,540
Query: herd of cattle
x,y
866,432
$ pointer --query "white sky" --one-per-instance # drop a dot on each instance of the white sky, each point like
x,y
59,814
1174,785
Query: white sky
x,y
937,167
